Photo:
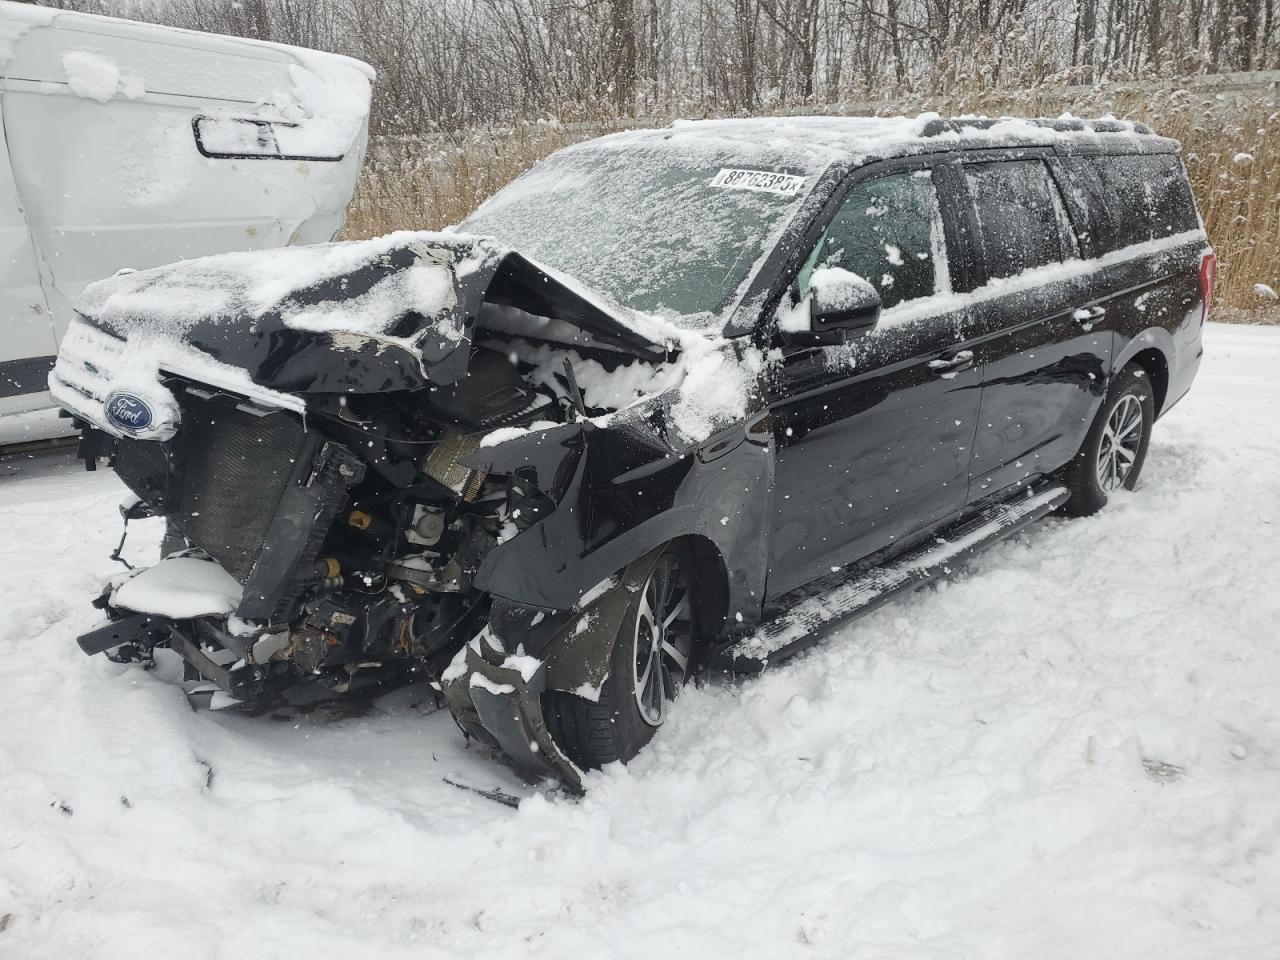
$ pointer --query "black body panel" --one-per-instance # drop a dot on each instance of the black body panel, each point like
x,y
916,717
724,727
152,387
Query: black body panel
x,y
872,445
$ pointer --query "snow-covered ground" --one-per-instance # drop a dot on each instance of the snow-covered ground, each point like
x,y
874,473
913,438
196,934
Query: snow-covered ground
x,y
1071,750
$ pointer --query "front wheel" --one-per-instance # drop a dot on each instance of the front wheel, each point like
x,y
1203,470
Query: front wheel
x,y
648,665
1116,446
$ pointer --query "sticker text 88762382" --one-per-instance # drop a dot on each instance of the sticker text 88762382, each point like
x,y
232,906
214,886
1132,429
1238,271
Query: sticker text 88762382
x,y
766,181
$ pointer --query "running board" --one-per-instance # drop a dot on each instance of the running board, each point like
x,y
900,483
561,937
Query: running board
x,y
802,625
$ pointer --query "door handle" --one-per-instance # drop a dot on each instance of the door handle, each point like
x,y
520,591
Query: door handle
x,y
949,367
1088,316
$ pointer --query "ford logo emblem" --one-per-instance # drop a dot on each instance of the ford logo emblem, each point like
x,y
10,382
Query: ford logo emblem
x,y
131,414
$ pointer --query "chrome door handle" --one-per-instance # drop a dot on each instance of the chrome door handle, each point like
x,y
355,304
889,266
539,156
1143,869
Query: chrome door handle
x,y
952,365
1089,315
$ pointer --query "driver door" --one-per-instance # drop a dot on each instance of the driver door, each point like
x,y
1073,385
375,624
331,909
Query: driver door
x,y
872,438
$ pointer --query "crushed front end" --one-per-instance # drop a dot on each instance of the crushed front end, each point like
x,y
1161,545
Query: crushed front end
x,y
332,575
331,489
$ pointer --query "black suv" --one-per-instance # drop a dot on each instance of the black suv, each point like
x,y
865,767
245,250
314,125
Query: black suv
x,y
675,400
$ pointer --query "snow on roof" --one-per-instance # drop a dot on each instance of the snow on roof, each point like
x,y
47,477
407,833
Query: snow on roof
x,y
812,143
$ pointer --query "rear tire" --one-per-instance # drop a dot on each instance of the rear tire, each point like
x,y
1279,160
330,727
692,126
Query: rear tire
x,y
648,665
1115,448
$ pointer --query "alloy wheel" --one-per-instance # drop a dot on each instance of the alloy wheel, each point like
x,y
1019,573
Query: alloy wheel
x,y
663,639
1121,440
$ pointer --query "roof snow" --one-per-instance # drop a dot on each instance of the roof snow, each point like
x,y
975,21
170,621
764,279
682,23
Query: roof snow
x,y
814,142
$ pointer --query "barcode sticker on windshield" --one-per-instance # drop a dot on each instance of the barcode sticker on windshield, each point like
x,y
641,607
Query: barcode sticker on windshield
x,y
786,184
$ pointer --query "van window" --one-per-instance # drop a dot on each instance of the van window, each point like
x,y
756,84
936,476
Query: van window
x,y
1129,199
889,232
1019,217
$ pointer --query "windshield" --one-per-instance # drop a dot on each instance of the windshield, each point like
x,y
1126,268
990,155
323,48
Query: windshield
x,y
666,231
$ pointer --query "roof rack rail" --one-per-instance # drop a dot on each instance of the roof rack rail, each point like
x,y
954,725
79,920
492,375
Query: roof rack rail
x,y
942,125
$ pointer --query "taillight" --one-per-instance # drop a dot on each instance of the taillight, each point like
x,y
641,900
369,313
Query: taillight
x,y
1208,270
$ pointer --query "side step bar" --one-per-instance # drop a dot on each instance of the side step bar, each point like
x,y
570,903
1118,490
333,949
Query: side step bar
x,y
804,624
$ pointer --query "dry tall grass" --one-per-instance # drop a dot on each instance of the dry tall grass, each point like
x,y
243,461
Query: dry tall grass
x,y
1232,153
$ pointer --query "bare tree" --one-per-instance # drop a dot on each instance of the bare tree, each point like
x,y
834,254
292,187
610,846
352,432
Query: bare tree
x,y
445,64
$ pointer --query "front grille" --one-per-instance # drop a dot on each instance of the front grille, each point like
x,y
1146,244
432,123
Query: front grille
x,y
220,479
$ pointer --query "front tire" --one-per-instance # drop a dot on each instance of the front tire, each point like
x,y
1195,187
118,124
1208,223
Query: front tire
x,y
1115,448
648,665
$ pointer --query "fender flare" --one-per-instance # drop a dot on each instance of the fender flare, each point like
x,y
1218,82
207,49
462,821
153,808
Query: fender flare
x,y
1151,338
1159,341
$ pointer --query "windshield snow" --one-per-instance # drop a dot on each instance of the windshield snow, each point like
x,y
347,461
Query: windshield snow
x,y
663,231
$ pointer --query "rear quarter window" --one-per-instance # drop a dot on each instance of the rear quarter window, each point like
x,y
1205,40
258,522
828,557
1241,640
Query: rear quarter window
x,y
1019,217
1121,201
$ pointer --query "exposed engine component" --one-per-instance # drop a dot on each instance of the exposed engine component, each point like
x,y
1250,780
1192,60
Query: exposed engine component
x,y
426,527
444,463
356,532
492,394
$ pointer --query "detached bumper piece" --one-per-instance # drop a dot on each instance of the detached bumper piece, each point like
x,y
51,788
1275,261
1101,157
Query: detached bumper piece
x,y
497,705
134,637
139,632
240,681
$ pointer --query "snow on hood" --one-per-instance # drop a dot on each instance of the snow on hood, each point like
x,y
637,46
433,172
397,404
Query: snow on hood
x,y
405,304
394,313
365,287
228,287
410,295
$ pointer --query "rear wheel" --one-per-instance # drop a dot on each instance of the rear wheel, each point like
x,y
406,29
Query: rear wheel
x,y
1116,447
647,667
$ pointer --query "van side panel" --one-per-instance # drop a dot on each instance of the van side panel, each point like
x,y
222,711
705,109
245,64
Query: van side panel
x,y
29,343
100,120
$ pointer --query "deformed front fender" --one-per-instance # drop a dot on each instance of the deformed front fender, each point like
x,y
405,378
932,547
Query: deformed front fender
x,y
495,683
576,644
627,493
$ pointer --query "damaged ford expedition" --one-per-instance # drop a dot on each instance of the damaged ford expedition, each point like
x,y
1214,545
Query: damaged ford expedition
x,y
675,400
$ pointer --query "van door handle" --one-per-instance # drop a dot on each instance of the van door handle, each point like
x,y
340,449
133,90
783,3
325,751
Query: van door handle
x,y
1087,316
952,365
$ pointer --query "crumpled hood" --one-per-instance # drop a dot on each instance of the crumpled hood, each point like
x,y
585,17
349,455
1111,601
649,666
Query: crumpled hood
x,y
387,314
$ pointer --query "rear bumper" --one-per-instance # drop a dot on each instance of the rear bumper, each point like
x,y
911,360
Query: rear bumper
x,y
503,707
1180,378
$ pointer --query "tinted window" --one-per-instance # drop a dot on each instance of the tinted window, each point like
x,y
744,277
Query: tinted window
x,y
1019,223
1120,201
887,231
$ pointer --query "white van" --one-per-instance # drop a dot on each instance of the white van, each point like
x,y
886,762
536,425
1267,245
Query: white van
x,y
128,145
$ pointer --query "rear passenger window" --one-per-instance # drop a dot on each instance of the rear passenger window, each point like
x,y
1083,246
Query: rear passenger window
x,y
1020,219
1129,199
889,232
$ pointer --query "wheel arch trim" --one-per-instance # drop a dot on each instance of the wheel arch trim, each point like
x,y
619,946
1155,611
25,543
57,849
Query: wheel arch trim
x,y
1153,350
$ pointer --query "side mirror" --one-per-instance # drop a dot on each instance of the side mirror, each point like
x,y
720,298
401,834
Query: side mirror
x,y
840,306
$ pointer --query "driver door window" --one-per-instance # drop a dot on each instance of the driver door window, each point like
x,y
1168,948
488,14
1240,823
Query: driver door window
x,y
889,232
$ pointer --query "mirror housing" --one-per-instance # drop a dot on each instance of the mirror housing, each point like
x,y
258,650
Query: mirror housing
x,y
840,307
